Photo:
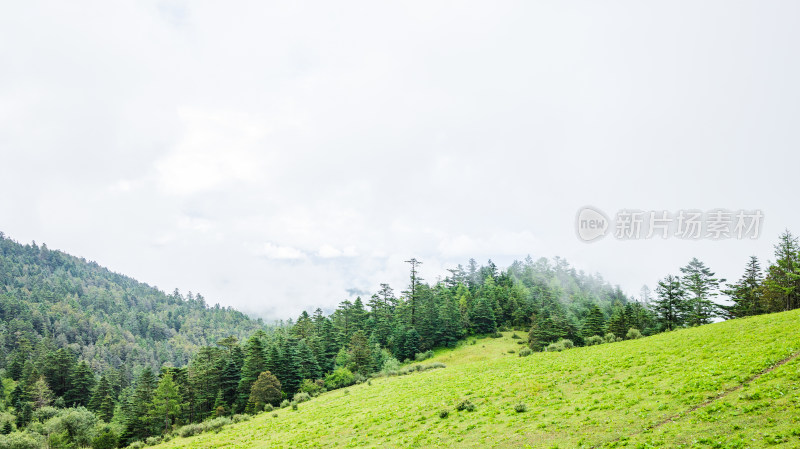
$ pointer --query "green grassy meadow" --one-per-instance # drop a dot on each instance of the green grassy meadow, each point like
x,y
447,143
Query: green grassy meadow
x,y
637,393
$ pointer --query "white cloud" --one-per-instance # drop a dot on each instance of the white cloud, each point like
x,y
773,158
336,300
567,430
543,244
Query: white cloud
x,y
273,251
329,252
351,144
217,148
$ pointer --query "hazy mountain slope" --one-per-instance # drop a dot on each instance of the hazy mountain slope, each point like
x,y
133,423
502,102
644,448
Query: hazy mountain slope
x,y
646,391
49,299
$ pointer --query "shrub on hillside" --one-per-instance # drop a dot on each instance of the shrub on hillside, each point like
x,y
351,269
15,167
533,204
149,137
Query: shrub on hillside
x,y
521,407
339,378
524,352
467,405
444,413
496,335
554,347
313,387
423,356
567,343
633,334
515,336
21,440
285,403
593,340
610,338
301,397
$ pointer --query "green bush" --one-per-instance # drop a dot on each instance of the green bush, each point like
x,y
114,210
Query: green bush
x,y
313,388
610,338
268,408
467,405
521,407
21,440
593,340
554,347
339,378
515,336
524,352
496,335
285,403
567,343
444,413
301,397
423,356
633,334
190,430
294,405
105,438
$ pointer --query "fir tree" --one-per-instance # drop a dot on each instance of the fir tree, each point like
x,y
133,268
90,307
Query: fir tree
x,y
81,384
671,306
482,317
699,281
166,402
254,364
595,322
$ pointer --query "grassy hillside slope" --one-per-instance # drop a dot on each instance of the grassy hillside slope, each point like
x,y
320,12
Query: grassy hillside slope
x,y
639,393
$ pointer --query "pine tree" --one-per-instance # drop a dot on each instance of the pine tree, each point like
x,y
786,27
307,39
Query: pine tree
x,y
229,384
60,365
40,393
747,293
106,411
291,371
595,322
81,384
449,332
254,364
482,317
309,368
671,306
360,353
137,421
166,402
16,365
103,389
617,324
304,327
781,288
410,344
699,281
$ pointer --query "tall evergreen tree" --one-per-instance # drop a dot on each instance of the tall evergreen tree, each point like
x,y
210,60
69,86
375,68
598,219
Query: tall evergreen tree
x,y
81,384
671,306
166,403
595,322
699,282
483,317
137,420
746,294
254,364
309,367
781,288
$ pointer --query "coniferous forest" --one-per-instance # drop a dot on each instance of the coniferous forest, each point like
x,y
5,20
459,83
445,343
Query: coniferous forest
x,y
93,358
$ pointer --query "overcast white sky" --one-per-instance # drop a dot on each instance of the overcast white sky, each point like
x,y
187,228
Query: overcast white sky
x,y
275,156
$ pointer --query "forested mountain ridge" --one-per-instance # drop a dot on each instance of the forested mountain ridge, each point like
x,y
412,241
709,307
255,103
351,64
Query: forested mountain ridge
x,y
79,343
50,300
